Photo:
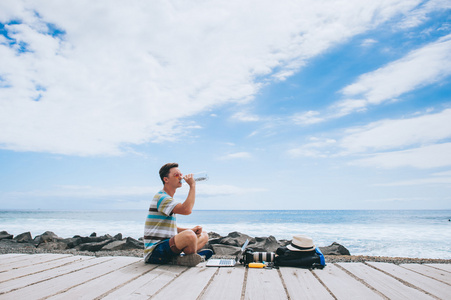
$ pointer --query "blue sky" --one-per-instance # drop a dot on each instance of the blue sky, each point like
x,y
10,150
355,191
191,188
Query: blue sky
x,y
294,105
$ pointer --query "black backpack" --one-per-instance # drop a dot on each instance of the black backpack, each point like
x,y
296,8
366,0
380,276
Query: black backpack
x,y
300,259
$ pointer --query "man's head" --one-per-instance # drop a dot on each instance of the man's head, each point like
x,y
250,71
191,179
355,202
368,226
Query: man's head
x,y
166,170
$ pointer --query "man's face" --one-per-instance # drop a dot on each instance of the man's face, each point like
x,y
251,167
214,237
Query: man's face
x,y
175,177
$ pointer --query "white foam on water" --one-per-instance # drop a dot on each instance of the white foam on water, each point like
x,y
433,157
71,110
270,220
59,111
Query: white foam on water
x,y
68,228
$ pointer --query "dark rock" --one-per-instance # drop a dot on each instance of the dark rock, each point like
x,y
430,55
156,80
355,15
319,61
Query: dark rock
x,y
12,244
115,245
214,238
46,237
126,244
93,247
53,246
225,250
5,236
135,243
73,242
93,234
265,244
118,237
24,238
95,239
236,239
334,249
215,241
214,235
88,239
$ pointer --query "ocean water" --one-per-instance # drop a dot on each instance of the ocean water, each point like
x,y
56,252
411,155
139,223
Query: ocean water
x,y
395,233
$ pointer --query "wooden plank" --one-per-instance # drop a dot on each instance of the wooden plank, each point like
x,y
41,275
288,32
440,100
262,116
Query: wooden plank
x,y
104,284
264,284
85,262
30,260
387,285
344,286
62,283
440,275
33,269
432,286
7,255
68,276
189,285
444,267
226,284
148,284
11,256
302,284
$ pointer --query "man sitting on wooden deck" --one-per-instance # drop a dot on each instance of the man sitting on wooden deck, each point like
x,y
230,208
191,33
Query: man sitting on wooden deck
x,y
164,242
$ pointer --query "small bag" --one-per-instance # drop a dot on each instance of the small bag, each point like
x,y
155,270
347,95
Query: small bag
x,y
300,259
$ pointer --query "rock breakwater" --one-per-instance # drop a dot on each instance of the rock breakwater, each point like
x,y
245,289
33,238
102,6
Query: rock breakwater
x,y
222,245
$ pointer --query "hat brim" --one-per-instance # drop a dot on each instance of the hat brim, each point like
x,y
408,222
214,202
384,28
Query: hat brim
x,y
290,247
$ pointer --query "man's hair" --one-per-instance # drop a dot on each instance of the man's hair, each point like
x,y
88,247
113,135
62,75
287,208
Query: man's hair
x,y
164,171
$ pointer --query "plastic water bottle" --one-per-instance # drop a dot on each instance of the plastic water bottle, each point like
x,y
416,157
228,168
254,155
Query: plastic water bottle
x,y
200,176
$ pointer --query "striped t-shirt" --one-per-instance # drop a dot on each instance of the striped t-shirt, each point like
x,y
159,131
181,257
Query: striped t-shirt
x,y
160,222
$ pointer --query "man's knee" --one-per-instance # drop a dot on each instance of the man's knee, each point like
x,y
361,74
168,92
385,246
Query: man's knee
x,y
185,239
190,235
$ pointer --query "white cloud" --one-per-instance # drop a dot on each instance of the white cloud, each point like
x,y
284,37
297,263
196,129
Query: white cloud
x,y
317,147
399,199
307,118
394,134
420,15
123,193
345,107
237,155
125,73
420,142
432,156
77,191
221,190
368,42
444,173
245,117
420,181
389,82
419,68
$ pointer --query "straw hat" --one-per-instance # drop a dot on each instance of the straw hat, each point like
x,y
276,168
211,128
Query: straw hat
x,y
301,243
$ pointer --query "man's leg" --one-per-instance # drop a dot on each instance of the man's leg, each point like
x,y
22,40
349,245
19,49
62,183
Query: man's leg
x,y
202,239
189,242
186,241
162,254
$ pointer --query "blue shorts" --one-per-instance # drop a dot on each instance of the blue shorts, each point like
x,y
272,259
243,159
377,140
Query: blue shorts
x,y
162,254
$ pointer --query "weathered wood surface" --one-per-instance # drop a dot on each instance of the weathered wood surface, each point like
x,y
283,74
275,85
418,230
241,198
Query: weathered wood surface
x,y
61,276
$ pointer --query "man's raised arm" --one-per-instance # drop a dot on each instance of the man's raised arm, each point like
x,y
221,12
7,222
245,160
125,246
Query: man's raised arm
x,y
186,207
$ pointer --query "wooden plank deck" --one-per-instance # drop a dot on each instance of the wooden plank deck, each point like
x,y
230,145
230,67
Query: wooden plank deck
x,y
64,276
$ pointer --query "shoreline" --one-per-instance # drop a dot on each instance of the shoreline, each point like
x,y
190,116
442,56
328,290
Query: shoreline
x,y
329,258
